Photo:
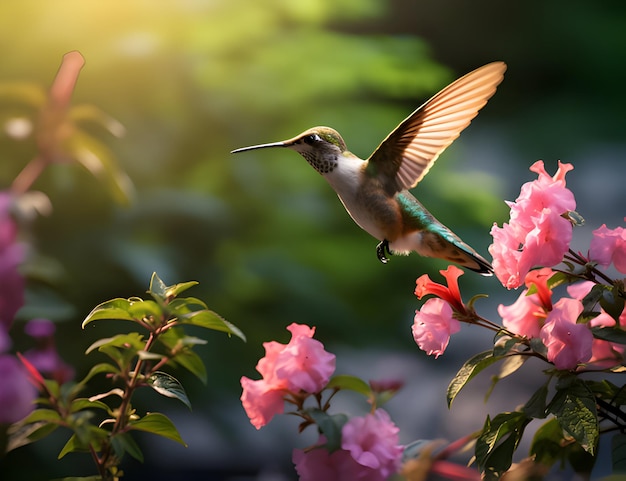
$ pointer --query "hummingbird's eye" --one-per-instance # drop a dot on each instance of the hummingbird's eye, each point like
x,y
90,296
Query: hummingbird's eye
x,y
310,139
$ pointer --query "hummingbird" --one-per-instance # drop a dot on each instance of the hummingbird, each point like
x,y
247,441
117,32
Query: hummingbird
x,y
375,192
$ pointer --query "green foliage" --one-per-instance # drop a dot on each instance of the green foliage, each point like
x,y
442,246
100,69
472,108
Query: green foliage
x,y
101,424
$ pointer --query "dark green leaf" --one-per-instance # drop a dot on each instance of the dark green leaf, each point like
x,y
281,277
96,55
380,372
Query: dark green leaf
x,y
574,406
547,443
192,362
618,453
124,443
503,344
612,303
159,424
84,403
467,372
352,383
168,386
535,407
498,441
611,334
329,426
80,442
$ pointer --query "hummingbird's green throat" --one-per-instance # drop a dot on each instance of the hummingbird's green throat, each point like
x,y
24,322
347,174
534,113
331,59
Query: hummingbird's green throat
x,y
375,191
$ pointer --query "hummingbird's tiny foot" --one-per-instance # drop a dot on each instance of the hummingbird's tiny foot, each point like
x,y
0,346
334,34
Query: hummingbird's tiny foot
x,y
381,249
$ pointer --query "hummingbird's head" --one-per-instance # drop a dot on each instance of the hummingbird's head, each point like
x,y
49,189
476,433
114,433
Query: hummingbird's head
x,y
320,146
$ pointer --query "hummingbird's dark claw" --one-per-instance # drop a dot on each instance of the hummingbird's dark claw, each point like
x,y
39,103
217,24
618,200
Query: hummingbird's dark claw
x,y
381,249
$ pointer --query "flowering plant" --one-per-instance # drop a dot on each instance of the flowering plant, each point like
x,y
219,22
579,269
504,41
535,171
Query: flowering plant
x,y
581,332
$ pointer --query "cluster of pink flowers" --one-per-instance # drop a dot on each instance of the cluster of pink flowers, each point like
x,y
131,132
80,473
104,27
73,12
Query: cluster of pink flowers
x,y
369,448
569,344
536,238
302,365
537,234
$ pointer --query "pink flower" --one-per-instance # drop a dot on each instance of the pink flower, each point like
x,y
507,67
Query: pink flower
x,y
568,343
605,354
372,441
433,326
525,316
261,401
302,365
17,394
609,245
536,233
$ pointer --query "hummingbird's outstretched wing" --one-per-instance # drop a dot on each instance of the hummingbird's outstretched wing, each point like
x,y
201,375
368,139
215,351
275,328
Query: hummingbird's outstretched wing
x,y
406,155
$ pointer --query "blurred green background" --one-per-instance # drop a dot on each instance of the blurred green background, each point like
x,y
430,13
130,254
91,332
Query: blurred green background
x,y
262,232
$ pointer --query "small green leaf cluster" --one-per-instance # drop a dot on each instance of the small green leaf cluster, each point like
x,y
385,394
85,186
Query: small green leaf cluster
x,y
102,424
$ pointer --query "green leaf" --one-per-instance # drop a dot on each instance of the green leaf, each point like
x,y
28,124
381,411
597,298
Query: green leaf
x,y
618,453
351,383
467,372
148,311
157,288
81,441
211,320
47,415
192,362
23,434
159,424
574,406
330,426
84,403
132,340
612,302
498,441
168,386
176,289
115,309
547,443
124,443
104,367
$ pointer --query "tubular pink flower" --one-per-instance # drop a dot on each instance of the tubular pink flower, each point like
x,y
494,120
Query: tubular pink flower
x,y
609,245
568,343
433,326
450,293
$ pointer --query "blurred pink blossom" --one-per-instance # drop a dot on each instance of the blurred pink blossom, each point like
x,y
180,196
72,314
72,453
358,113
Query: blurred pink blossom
x,y
11,255
302,365
568,343
536,234
372,441
609,245
17,394
433,326
319,464
44,356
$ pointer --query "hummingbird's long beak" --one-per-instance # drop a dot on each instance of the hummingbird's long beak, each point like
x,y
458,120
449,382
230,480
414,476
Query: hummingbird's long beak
x,y
261,146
